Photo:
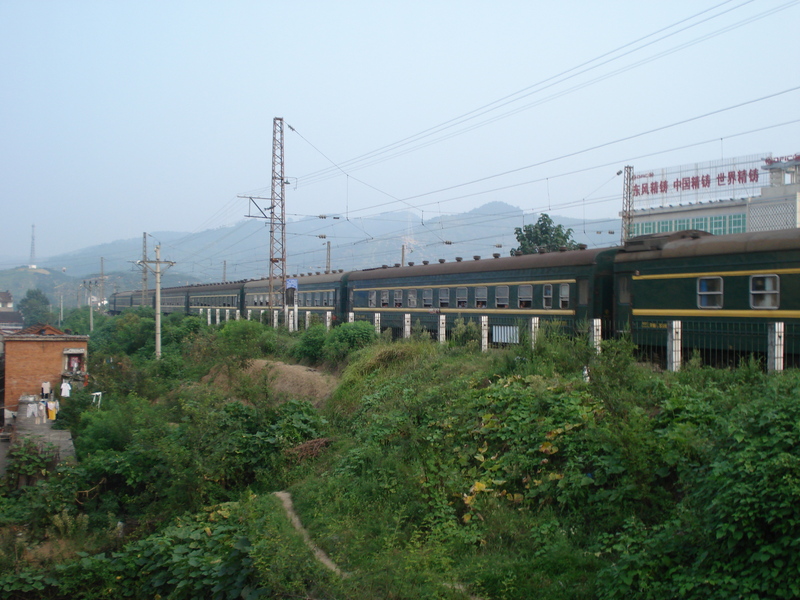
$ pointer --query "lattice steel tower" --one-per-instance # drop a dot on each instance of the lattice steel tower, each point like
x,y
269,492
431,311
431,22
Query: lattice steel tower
x,y
627,205
277,228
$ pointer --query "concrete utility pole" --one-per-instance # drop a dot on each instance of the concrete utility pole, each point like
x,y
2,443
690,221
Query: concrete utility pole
x,y
144,268
90,285
328,259
157,270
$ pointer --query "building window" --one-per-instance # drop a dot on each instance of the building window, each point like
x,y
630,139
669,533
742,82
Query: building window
x,y
525,296
682,224
664,226
372,300
427,298
398,298
444,297
563,296
765,291
737,224
412,298
718,225
384,298
700,223
709,292
501,296
461,297
547,296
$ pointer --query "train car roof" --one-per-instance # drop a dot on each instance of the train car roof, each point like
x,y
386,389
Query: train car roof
x,y
301,279
685,244
508,263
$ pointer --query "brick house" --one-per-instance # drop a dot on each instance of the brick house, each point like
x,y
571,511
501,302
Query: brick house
x,y
40,354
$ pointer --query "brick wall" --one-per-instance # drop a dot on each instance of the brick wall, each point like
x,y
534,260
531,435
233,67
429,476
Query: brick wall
x,y
30,362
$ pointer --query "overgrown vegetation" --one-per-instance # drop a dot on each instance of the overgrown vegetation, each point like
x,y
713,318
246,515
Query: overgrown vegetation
x,y
435,471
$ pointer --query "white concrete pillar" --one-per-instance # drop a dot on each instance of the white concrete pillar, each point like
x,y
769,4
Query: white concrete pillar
x,y
407,325
290,319
217,316
596,334
328,320
249,314
674,340
534,331
775,346
238,314
351,317
275,318
308,319
484,333
376,319
442,329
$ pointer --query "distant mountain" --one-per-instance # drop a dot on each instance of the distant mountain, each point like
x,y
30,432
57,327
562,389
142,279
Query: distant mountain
x,y
241,251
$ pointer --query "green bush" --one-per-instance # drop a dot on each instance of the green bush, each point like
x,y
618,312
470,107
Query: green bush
x,y
346,338
310,345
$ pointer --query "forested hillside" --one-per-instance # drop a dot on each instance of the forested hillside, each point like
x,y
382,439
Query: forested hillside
x,y
431,471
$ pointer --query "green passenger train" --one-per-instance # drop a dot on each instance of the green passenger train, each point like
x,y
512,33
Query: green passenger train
x,y
725,290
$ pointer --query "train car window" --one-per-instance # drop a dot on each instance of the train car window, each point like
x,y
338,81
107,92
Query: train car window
x,y
444,297
412,298
765,291
623,290
481,294
709,292
547,296
308,298
563,295
461,297
372,300
501,296
427,298
583,292
525,296
398,298
384,298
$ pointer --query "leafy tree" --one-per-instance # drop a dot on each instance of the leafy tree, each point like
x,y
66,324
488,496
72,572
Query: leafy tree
x,y
35,308
543,236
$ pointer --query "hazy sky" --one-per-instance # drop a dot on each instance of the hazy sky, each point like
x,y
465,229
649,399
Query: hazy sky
x,y
123,117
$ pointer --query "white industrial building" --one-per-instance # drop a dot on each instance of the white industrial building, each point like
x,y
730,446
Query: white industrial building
x,y
752,193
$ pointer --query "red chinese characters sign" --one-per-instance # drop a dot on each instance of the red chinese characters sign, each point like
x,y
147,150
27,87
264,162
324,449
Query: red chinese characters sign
x,y
730,178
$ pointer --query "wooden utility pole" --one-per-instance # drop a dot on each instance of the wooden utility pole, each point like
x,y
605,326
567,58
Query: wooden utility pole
x,y
157,271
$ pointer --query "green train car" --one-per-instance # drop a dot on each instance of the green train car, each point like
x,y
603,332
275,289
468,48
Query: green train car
x,y
725,290
568,288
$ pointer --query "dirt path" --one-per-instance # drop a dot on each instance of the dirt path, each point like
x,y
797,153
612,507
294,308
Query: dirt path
x,y
286,499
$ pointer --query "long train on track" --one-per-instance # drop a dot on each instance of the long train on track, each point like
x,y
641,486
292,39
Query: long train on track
x,y
725,290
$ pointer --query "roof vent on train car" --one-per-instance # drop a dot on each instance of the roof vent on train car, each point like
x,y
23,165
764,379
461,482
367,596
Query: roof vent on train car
x,y
310,274
656,241
384,266
476,257
541,250
459,259
496,255
396,264
582,246
425,262
441,261
411,263
317,272
517,252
